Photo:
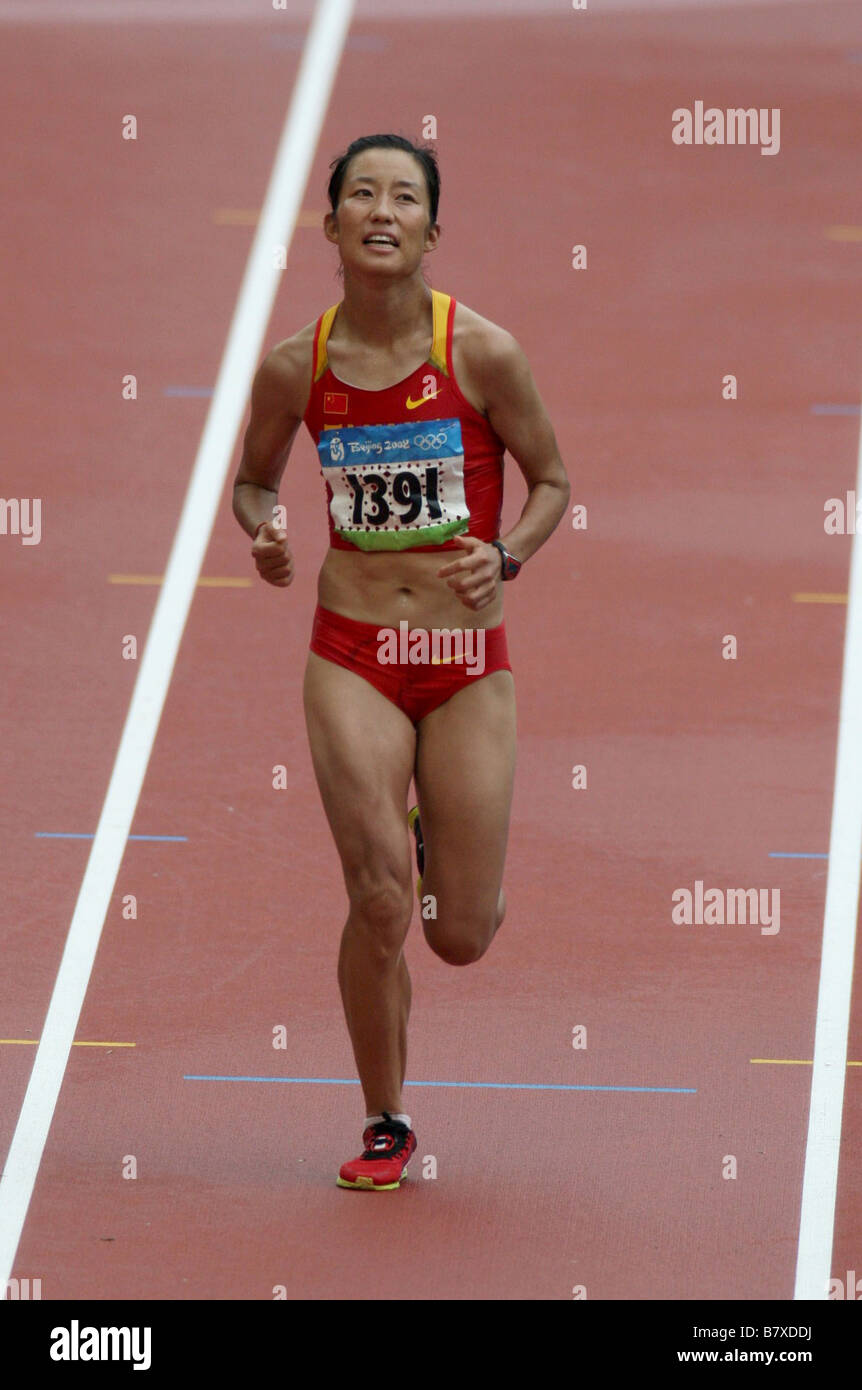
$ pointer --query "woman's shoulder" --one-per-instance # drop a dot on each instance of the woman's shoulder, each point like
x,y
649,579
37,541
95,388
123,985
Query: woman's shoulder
x,y
291,352
287,367
480,344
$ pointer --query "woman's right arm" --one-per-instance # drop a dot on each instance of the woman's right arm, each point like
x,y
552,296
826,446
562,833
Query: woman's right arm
x,y
277,408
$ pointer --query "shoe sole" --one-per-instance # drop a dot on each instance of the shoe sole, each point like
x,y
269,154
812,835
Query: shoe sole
x,y
369,1185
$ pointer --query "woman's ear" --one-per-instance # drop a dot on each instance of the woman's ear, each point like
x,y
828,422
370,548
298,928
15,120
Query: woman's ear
x,y
432,236
330,227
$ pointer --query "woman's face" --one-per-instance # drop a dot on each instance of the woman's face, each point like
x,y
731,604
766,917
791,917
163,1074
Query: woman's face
x,y
383,223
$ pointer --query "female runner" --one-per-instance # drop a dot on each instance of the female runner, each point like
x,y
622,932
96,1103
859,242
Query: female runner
x,y
411,400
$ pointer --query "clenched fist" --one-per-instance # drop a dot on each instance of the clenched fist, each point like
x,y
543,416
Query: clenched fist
x,y
272,555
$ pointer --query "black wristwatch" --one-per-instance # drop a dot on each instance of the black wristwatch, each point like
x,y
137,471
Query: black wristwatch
x,y
509,567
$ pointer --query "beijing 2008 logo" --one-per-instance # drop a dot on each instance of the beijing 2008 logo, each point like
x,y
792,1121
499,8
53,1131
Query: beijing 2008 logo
x,y
336,449
430,441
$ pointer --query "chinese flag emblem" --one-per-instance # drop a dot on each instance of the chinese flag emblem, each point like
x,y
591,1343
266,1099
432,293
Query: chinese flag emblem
x,y
334,403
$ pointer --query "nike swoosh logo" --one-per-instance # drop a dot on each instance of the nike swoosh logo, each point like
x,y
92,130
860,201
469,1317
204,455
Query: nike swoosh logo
x,y
411,405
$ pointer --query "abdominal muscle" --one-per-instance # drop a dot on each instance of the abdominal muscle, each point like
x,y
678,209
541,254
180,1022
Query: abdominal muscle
x,y
395,586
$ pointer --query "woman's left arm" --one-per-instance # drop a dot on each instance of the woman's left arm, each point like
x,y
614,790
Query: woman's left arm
x,y
516,411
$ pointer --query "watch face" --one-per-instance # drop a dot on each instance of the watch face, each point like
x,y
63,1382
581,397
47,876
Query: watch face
x,y
510,565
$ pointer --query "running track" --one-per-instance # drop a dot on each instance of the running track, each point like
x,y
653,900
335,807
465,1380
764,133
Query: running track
x,y
705,518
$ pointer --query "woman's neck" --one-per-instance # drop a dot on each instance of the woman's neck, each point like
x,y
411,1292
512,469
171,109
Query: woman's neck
x,y
384,314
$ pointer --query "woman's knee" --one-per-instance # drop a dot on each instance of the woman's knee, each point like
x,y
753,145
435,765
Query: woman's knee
x,y
462,940
457,950
381,906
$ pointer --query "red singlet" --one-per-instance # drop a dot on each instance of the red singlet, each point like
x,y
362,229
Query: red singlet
x,y
411,466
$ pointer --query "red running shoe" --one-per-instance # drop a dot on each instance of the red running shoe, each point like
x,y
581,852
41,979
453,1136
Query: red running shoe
x,y
389,1145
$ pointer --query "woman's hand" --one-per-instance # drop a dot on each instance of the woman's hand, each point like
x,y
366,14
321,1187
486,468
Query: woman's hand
x,y
272,555
476,574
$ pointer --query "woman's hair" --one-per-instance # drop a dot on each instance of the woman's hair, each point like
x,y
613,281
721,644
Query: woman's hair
x,y
426,156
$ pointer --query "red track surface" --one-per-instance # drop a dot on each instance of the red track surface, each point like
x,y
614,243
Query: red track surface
x,y
705,517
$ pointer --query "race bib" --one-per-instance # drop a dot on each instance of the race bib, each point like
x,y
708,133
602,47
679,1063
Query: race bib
x,y
395,486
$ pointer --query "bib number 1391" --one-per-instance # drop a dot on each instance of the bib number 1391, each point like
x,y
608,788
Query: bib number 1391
x,y
375,498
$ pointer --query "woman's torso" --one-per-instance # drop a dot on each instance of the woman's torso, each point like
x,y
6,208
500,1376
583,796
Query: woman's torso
x,y
366,392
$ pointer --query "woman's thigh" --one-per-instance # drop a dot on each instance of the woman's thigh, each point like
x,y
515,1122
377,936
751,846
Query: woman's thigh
x,y
465,769
363,750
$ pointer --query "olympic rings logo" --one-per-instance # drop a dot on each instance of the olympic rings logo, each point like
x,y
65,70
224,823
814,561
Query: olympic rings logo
x,y
430,441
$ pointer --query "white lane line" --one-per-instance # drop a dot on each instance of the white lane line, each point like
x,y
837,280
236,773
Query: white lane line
x,y
278,218
820,1179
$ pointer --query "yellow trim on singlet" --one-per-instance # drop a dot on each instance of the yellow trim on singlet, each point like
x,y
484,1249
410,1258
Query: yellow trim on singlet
x,y
437,356
320,357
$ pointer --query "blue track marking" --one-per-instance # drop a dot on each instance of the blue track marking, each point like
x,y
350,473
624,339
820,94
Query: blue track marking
x,y
466,1085
836,409
63,835
188,390
784,854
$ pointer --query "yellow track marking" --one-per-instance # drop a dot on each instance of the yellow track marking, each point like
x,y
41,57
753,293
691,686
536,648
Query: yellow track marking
x,y
844,233
819,598
791,1062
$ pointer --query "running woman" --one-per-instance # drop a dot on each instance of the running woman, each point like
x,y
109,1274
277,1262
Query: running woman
x,y
412,400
